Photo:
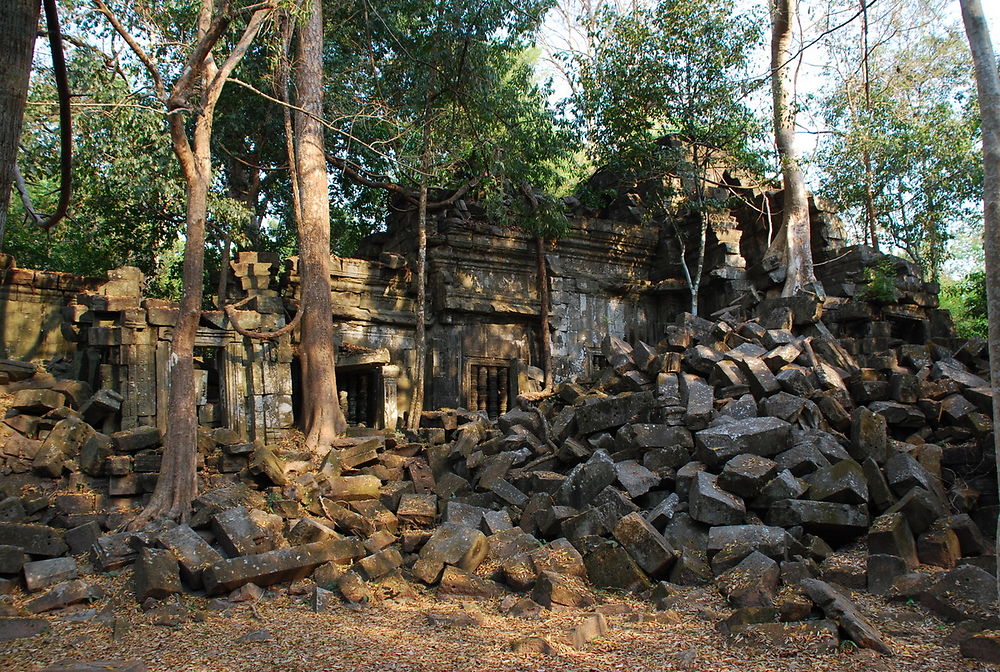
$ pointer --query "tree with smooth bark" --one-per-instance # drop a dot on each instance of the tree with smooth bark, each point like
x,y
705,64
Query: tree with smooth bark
x,y
323,420
988,85
792,248
196,89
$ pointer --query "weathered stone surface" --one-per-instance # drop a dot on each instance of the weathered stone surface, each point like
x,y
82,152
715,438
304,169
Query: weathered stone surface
x,y
62,443
455,581
648,548
751,583
757,436
44,573
416,509
882,570
966,593
64,595
155,574
12,559
869,436
781,487
36,402
822,518
285,564
265,462
745,475
349,488
19,628
983,646
554,588
239,534
610,566
450,544
939,546
593,627
192,552
842,482
813,636
37,540
635,478
839,608
903,472
741,540
921,508
70,665
712,505
134,440
601,414
586,480
890,535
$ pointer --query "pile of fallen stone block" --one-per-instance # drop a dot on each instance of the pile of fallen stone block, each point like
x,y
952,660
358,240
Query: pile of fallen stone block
x,y
760,454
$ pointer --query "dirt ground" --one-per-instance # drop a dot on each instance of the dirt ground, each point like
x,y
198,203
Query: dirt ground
x,y
420,632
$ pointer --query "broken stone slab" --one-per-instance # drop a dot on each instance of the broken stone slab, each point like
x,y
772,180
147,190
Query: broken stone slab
x,y
903,472
890,535
134,440
745,475
103,404
44,573
600,414
36,402
155,575
783,486
71,665
307,531
869,436
62,443
760,379
285,564
20,628
379,564
751,583
833,519
839,608
741,540
712,505
983,646
586,480
451,544
758,436
966,593
593,627
842,482
63,595
939,546
192,552
12,559
610,566
698,398
265,462
921,508
40,540
239,534
648,548
417,509
635,478
553,588
882,570
455,581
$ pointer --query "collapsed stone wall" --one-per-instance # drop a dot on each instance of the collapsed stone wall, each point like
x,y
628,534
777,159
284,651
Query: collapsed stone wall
x,y
754,453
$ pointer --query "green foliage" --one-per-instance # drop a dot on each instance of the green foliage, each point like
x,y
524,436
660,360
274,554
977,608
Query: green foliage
x,y
966,299
916,124
880,283
676,69
127,204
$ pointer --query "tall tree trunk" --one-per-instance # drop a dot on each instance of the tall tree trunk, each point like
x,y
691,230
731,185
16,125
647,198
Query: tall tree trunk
x,y
323,418
544,309
18,25
177,484
795,214
420,333
988,86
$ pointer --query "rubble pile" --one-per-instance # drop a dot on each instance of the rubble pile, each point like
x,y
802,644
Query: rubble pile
x,y
780,461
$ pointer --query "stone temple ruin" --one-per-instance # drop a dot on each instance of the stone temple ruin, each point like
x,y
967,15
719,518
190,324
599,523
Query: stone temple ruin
x,y
777,448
